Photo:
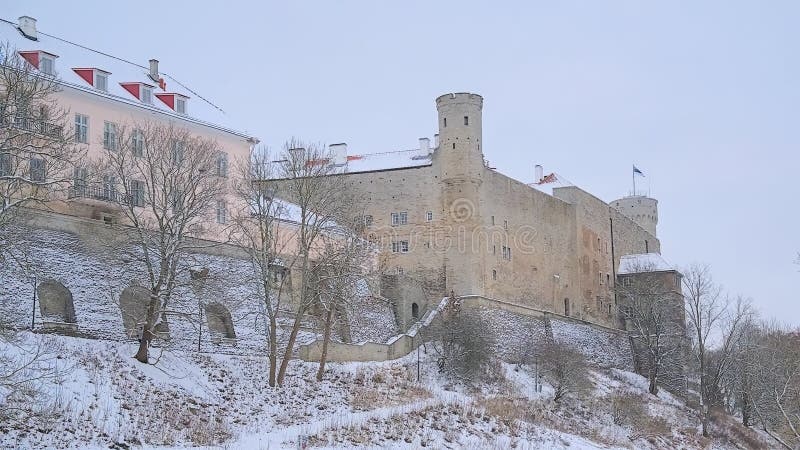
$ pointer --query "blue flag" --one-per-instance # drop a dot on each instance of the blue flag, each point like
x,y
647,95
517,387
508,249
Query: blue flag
x,y
635,170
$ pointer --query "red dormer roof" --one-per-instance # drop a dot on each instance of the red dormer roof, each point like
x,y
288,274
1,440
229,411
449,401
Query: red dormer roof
x,y
135,88
87,73
169,98
33,56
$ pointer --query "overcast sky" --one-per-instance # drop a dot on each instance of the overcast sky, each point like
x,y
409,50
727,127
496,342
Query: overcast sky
x,y
704,97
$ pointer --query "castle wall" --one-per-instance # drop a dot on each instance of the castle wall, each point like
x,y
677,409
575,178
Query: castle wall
x,y
540,233
415,191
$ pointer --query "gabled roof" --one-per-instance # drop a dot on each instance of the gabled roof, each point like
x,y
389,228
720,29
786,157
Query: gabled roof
x,y
643,263
70,55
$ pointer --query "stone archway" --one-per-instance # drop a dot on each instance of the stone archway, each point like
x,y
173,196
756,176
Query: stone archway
x,y
133,305
415,311
55,302
219,321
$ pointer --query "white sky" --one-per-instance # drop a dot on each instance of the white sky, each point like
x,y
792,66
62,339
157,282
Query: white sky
x,y
704,97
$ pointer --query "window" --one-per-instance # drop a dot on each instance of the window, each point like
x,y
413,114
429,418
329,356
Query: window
x,y
415,311
626,281
109,187
81,128
400,271
646,247
492,220
176,198
454,145
79,175
47,65
137,193
101,81
180,105
147,95
429,216
400,218
222,164
5,164
608,279
445,122
37,173
494,274
466,120
368,220
109,136
600,276
400,247
222,212
507,253
137,142
505,224
177,151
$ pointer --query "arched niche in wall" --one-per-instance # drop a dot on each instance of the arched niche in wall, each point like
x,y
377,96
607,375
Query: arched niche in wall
x,y
219,321
55,302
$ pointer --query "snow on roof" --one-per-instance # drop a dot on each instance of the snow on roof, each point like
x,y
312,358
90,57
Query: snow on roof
x,y
71,55
641,263
387,160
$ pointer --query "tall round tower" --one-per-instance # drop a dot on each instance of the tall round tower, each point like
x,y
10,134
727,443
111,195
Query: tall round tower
x,y
461,164
641,209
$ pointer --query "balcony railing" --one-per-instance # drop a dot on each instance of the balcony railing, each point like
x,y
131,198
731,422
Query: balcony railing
x,y
96,192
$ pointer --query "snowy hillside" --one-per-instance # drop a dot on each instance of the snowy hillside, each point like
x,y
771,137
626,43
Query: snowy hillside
x,y
104,399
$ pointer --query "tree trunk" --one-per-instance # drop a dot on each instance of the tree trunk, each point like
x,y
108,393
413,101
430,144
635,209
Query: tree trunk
x,y
287,354
653,382
273,349
147,333
326,337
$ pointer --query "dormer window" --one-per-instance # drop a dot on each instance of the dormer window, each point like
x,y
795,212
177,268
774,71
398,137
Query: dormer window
x,y
47,65
176,102
147,94
97,78
180,105
44,61
101,81
141,91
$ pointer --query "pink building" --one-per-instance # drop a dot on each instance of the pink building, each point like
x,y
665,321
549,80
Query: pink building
x,y
105,93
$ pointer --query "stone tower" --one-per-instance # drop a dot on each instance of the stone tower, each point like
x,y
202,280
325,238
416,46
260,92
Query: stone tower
x,y
641,209
461,161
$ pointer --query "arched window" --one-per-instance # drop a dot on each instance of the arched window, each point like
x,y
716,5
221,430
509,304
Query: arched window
x,y
566,306
415,311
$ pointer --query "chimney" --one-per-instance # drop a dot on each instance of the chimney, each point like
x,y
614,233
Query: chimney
x,y
338,154
436,140
154,70
424,146
538,173
27,26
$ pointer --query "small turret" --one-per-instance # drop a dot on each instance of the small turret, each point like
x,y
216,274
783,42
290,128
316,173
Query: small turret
x,y
460,135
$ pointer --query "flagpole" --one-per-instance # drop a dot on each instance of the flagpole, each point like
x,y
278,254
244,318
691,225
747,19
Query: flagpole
x,y
633,177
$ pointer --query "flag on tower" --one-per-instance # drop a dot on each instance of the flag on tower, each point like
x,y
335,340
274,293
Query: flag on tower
x,y
635,171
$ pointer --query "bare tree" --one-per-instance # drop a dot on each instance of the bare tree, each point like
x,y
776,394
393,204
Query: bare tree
x,y
733,331
308,178
166,182
340,268
462,343
564,368
705,310
652,310
261,229
775,388
38,147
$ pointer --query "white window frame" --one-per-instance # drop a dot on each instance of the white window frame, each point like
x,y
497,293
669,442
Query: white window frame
x,y
137,142
180,105
429,216
109,135
99,75
395,219
147,94
222,164
82,128
403,217
45,58
222,212
137,193
40,170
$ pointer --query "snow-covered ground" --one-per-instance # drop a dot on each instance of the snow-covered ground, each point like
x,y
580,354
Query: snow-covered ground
x,y
103,398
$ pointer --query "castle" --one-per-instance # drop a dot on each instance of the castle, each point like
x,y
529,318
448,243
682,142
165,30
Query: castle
x,y
446,219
